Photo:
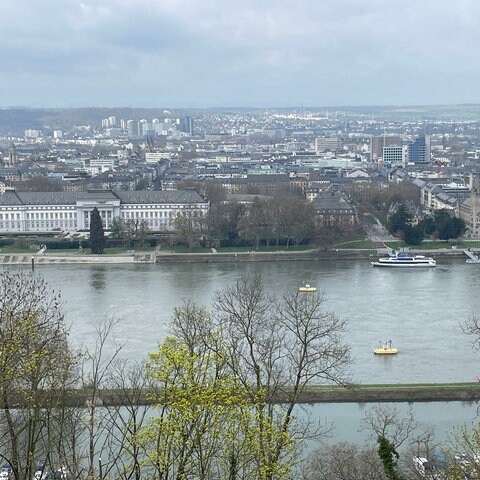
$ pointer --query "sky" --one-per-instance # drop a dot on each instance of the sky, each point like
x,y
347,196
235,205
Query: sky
x,y
232,53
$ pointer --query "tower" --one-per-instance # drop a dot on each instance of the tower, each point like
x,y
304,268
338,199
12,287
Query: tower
x,y
12,156
418,150
475,204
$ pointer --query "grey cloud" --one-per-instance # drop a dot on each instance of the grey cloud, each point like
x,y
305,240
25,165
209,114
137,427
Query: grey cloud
x,y
219,51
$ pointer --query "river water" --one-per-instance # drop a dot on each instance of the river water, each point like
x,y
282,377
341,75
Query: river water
x,y
420,310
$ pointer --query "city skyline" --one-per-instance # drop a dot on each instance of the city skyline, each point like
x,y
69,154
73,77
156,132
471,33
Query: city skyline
x,y
187,54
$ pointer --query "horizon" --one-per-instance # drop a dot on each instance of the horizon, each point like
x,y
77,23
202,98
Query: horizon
x,y
246,107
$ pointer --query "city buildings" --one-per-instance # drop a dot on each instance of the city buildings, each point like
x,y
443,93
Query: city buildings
x,y
379,142
258,152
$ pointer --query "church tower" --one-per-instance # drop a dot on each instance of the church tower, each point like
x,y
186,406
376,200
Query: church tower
x,y
12,156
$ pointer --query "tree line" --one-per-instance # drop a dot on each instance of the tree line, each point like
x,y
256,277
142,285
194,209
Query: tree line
x,y
442,225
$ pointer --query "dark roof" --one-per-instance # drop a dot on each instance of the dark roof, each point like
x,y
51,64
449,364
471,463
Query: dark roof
x,y
70,198
331,201
156,196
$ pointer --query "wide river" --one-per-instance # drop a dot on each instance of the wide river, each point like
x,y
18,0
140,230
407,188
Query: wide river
x,y
420,310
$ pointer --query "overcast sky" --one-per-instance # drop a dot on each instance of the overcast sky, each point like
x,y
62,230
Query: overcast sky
x,y
258,53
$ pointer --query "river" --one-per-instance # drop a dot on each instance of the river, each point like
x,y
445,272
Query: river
x,y
420,310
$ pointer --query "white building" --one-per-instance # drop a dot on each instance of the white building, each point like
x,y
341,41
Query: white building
x,y
70,211
32,133
332,144
103,164
394,155
155,157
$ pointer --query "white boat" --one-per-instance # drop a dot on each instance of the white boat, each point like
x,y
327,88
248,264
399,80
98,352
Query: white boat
x,y
472,258
405,259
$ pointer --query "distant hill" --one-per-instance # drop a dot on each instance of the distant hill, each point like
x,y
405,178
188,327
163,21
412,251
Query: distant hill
x,y
15,120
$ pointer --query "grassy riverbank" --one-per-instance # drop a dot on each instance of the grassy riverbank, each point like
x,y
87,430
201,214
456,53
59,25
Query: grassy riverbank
x,y
431,392
359,244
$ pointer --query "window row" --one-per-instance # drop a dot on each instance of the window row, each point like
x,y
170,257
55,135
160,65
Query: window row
x,y
39,216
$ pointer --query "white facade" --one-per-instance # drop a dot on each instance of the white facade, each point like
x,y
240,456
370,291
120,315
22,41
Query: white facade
x,y
32,133
155,157
394,154
323,144
70,211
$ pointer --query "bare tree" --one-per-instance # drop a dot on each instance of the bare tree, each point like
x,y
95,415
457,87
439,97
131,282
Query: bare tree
x,y
277,348
403,432
36,369
95,371
344,461
471,327
124,452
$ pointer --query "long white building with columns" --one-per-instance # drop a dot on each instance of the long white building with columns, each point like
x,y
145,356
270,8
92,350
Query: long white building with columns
x,y
70,211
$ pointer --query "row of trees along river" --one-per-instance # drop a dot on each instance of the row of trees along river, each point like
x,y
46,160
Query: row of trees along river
x,y
213,383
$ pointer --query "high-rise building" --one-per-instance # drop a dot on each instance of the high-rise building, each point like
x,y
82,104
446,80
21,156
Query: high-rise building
x,y
418,150
378,143
132,128
186,125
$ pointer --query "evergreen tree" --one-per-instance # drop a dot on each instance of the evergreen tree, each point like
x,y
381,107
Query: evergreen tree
x,y
389,457
399,220
413,235
97,236
453,228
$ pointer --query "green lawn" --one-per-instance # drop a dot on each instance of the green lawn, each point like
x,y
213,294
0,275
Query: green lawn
x,y
280,248
364,243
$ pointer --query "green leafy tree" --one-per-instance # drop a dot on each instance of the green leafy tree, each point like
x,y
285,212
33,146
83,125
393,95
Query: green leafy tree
x,y
413,235
117,227
199,403
399,220
97,235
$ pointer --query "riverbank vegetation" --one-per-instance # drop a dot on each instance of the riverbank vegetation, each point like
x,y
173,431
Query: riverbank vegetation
x,y
214,386
443,225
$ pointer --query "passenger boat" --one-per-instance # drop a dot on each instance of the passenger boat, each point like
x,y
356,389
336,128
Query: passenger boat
x,y
405,259
306,288
385,348
472,258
